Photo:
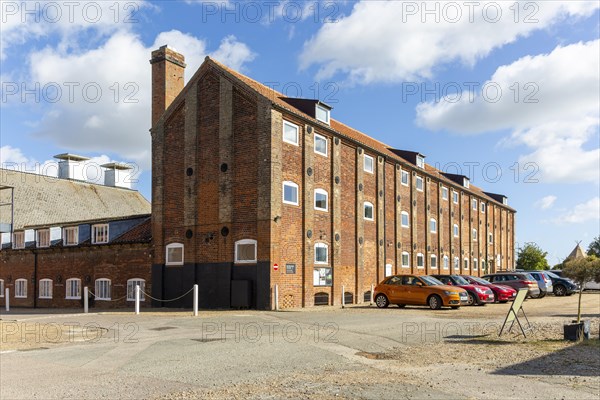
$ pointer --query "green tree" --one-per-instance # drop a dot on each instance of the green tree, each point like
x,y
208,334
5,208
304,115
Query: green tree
x,y
582,270
594,247
531,257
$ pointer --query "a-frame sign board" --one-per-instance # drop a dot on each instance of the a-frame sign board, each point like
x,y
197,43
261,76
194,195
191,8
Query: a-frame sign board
x,y
513,313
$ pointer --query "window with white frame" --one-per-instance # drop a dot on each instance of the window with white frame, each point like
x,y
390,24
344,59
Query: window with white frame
x,y
419,183
456,263
474,202
322,276
475,264
45,289
433,261
131,284
455,197
433,225
321,253
474,235
102,291
290,193
466,263
245,251
466,182
321,200
404,178
43,238
444,193
290,133
18,240
404,220
174,254
420,260
420,161
490,238
21,288
1,287
368,211
388,269
505,201
71,236
446,262
320,145
368,164
455,230
405,259
73,289
99,233
322,114
483,207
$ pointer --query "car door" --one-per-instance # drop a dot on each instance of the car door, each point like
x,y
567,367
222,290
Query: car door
x,y
407,295
394,289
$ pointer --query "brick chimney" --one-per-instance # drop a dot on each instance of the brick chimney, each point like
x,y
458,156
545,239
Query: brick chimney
x,y
167,79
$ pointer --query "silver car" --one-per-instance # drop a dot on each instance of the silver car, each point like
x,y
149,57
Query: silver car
x,y
544,282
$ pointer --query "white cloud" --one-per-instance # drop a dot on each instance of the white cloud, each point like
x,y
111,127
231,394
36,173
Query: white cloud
x,y
560,126
546,202
584,212
233,53
387,41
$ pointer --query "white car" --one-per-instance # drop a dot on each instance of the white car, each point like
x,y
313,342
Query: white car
x,y
591,285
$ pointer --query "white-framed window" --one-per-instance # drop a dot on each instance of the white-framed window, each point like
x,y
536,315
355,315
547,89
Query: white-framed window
x,y
18,240
404,220
466,182
404,178
21,288
73,289
490,238
290,133
419,183
433,261
71,236
405,259
174,254
388,269
322,114
433,225
420,161
322,276
321,253
455,230
444,193
420,260
475,264
320,144
466,263
483,207
368,164
103,288
321,200
99,233
455,197
474,234
368,211
446,262
43,238
456,263
245,251
1,287
474,203
505,201
290,193
131,284
45,289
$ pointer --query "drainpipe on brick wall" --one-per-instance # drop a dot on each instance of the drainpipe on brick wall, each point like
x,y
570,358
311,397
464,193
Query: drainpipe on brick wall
x,y
35,268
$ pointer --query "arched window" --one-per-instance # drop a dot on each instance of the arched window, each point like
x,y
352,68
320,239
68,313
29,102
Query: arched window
x,y
73,289
368,211
456,263
420,260
103,289
446,262
475,264
131,284
321,200
245,251
174,254
455,230
45,289
433,225
466,264
405,259
433,261
474,235
1,287
290,193
21,288
404,219
321,253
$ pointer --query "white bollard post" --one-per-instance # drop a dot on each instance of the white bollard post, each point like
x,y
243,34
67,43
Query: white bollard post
x,y
195,300
343,297
85,300
7,297
276,296
372,290
137,299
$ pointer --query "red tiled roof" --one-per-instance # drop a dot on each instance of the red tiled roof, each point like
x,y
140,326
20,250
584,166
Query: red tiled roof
x,y
138,234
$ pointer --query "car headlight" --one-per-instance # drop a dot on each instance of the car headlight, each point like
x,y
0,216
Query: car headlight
x,y
480,290
449,293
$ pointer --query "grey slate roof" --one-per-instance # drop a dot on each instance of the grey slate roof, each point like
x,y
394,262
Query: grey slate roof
x,y
47,201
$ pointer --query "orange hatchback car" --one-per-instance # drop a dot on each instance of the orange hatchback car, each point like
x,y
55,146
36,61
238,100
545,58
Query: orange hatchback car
x,y
418,290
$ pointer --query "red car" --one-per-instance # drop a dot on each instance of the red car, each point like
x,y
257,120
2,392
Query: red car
x,y
478,294
502,293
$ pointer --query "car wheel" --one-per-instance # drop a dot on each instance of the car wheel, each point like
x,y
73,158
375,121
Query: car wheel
x,y
560,290
401,305
435,302
471,301
382,301
542,295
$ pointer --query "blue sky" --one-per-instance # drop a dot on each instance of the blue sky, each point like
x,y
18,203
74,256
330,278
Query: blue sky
x,y
76,78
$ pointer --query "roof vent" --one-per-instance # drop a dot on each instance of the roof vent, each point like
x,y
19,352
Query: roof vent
x,y
117,175
70,166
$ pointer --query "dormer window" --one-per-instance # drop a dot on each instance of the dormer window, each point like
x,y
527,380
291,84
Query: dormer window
x,y
19,240
100,234
43,238
71,236
420,161
505,201
322,113
466,182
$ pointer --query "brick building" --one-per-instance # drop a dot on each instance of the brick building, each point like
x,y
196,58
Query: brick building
x,y
244,178
62,234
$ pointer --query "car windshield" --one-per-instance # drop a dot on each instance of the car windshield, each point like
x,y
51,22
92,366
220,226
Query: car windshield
x,y
430,281
460,280
529,277
479,280
553,275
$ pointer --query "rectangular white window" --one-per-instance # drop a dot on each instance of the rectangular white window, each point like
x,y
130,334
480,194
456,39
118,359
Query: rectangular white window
x,y
444,193
43,238
404,178
405,259
1,288
474,235
19,240
455,229
174,254
322,114
71,236
131,284
446,262
73,289
290,133
321,200
322,277
482,207
433,225
433,261
290,193
455,197
100,234
420,161
466,183
419,183
404,219
474,201
21,288
245,251
369,211
45,289
102,291
321,253
320,145
368,164
420,261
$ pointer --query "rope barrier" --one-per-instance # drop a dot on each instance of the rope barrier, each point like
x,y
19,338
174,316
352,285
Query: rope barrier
x,y
166,301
